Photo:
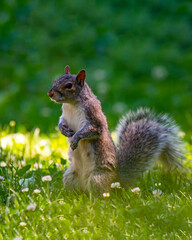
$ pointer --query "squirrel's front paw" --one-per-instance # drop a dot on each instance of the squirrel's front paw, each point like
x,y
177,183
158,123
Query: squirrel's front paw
x,y
65,130
74,143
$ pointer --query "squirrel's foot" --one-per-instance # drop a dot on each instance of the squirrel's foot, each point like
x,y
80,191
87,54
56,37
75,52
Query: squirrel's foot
x,y
65,130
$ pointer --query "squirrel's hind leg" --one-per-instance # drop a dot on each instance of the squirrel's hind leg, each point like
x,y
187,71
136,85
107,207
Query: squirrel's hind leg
x,y
100,181
70,179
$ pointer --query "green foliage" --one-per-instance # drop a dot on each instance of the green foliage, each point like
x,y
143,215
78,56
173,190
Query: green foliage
x,y
31,208
136,53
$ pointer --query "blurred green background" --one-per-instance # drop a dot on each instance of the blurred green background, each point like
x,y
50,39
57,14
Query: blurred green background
x,y
136,53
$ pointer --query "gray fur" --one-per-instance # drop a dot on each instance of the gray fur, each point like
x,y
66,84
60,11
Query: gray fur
x,y
96,162
143,138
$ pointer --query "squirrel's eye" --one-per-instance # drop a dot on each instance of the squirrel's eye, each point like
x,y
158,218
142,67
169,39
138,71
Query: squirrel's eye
x,y
68,85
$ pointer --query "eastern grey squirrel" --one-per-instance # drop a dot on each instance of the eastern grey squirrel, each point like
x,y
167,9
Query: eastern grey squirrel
x,y
95,161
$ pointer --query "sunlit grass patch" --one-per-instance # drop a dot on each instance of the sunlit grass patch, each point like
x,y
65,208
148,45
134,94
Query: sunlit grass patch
x,y
34,204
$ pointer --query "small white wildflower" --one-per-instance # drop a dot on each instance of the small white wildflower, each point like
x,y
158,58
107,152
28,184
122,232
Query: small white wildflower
x,y
47,178
157,184
42,143
31,207
23,163
1,178
19,138
25,190
106,194
152,225
37,165
115,185
22,224
157,193
17,238
6,141
45,150
3,164
136,190
36,191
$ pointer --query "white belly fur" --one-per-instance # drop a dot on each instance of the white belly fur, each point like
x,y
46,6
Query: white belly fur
x,y
82,158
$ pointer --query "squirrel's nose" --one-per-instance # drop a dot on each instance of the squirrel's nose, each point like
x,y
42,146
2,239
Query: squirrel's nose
x,y
50,93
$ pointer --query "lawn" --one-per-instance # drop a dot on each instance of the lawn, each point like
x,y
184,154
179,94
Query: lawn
x,y
33,206
136,54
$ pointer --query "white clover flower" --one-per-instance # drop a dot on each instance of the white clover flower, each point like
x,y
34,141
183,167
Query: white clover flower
x,y
157,193
22,224
36,191
1,178
106,194
25,190
3,164
42,143
43,149
31,207
157,184
6,141
23,163
17,238
47,178
37,165
19,138
115,185
136,190
10,139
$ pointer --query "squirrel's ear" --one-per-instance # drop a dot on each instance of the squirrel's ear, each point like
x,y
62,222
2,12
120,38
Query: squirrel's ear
x,y
81,77
67,68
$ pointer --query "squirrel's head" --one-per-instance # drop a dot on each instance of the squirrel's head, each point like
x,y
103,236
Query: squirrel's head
x,y
66,89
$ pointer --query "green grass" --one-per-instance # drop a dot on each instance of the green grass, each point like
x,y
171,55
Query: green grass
x,y
28,156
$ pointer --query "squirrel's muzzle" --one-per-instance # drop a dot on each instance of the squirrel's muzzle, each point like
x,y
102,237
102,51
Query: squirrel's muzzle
x,y
50,93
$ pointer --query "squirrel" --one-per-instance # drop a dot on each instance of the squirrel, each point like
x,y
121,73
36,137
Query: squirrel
x,y
95,160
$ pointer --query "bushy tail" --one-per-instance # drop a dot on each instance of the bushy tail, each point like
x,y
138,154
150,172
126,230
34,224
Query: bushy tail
x,y
144,137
